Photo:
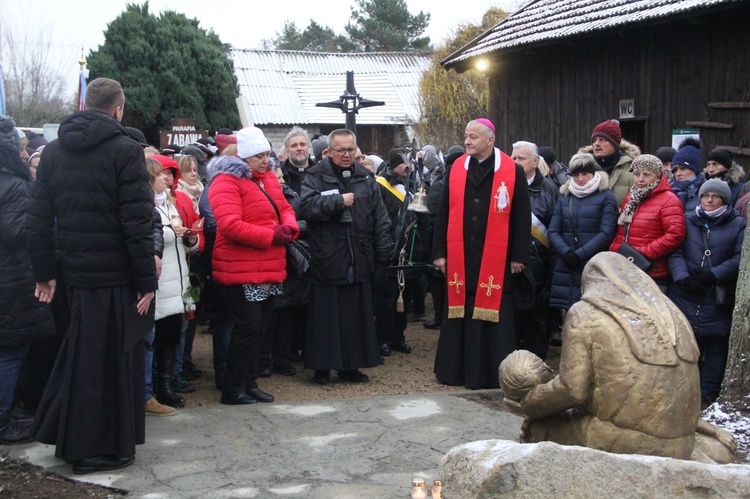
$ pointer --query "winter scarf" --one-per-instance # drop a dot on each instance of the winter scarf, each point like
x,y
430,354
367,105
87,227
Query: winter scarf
x,y
589,188
637,194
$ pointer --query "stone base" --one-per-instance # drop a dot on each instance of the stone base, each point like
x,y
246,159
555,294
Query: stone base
x,y
503,468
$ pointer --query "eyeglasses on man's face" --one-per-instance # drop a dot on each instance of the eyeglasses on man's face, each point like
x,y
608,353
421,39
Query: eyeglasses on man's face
x,y
344,152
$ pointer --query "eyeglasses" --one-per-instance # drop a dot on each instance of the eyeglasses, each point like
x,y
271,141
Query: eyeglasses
x,y
343,152
713,197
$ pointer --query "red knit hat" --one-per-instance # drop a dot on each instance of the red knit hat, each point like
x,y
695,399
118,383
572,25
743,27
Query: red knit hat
x,y
609,130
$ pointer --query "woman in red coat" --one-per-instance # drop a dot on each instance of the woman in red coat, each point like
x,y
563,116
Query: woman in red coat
x,y
652,218
254,222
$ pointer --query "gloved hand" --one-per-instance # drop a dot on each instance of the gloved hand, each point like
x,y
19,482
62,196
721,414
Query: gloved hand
x,y
691,285
282,235
705,277
571,260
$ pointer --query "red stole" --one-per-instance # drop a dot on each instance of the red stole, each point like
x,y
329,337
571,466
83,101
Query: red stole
x,y
489,290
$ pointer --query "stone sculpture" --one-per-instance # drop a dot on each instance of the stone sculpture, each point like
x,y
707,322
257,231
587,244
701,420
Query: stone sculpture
x,y
628,381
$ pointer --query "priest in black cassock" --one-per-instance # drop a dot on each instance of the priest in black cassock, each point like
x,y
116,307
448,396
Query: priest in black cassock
x,y
93,188
481,241
348,234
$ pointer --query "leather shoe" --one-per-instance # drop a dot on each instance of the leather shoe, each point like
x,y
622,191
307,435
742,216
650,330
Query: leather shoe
x,y
101,463
385,350
401,346
17,431
264,373
260,395
355,376
431,324
241,399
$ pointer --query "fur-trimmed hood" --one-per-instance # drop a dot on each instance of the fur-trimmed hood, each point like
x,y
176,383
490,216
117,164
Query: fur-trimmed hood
x,y
626,148
603,184
735,175
231,165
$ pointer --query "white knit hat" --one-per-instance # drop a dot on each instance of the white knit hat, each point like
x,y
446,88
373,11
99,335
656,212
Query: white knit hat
x,y
251,141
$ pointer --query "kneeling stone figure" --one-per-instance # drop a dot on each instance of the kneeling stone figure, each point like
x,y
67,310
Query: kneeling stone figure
x,y
628,381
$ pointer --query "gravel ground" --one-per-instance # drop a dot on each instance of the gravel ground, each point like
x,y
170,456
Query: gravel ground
x,y
400,374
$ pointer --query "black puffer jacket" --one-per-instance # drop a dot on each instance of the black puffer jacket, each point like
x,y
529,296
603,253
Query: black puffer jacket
x,y
344,252
93,181
23,318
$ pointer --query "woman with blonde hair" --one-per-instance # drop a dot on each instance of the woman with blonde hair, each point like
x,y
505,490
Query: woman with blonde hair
x,y
189,183
172,299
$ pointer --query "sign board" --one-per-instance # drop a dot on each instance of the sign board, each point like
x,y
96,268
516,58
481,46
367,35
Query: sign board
x,y
680,134
184,131
627,108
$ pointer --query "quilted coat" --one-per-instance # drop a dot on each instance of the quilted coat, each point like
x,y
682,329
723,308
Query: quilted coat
x,y
658,227
594,219
725,238
245,221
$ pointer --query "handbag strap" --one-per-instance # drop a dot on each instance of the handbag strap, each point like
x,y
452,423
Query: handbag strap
x,y
275,208
627,231
706,251
573,223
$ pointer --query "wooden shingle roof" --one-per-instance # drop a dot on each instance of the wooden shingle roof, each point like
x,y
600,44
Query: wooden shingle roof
x,y
544,22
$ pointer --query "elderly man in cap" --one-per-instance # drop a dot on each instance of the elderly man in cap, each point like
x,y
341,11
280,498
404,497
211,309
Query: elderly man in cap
x,y
614,155
481,239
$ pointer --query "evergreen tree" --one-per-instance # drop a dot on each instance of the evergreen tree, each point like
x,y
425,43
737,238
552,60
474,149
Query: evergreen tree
x,y
386,26
169,68
315,38
448,100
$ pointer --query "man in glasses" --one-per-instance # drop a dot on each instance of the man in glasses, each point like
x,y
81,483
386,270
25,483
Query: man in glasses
x,y
348,233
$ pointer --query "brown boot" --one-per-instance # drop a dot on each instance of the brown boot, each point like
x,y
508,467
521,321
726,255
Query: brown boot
x,y
154,408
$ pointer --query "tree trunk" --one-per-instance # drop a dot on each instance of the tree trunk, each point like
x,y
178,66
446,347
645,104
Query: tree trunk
x,y
735,393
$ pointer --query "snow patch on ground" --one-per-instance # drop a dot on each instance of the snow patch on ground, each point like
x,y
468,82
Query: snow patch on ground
x,y
304,410
325,440
735,422
421,408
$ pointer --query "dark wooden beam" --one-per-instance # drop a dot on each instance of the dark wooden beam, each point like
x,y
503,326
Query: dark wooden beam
x,y
729,105
740,151
710,124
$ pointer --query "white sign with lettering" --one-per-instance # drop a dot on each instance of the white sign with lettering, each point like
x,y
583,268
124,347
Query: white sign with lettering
x,y
627,108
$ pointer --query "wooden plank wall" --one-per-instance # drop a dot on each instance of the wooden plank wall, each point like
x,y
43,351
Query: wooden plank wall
x,y
556,95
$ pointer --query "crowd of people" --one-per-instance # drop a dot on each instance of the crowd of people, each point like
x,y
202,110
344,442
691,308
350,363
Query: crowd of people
x,y
113,251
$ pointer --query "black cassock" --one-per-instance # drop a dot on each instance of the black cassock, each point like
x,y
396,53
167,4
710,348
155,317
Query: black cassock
x,y
93,404
470,351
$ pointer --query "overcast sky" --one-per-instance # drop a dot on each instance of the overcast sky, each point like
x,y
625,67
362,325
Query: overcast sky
x,y
72,24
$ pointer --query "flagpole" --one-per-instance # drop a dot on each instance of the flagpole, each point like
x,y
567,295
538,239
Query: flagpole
x,y
2,91
82,75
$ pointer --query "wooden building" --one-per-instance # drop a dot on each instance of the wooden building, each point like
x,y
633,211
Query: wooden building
x,y
557,68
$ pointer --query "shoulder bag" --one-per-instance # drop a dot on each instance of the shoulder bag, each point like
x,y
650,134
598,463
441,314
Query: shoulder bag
x,y
632,254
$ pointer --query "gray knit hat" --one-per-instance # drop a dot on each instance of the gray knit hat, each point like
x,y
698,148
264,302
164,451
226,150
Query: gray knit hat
x,y
716,186
9,135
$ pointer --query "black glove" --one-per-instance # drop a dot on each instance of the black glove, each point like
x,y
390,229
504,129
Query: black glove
x,y
282,235
572,260
705,278
691,285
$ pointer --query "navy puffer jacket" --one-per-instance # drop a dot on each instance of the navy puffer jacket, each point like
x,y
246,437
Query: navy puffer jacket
x,y
595,219
725,238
